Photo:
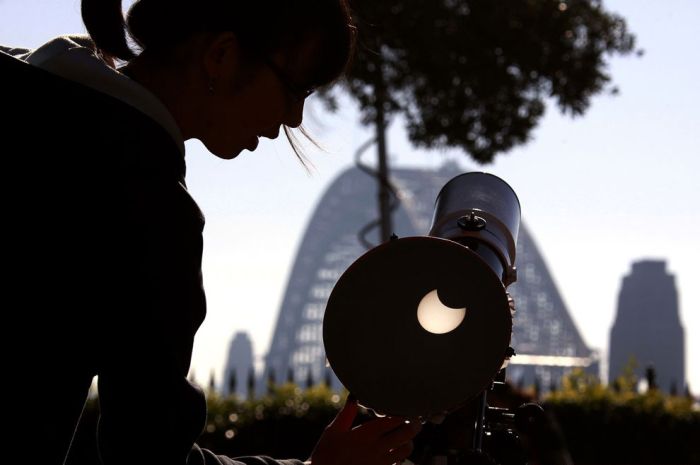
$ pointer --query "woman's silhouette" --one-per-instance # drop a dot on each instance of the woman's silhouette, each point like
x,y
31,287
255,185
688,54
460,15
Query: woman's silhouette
x,y
103,243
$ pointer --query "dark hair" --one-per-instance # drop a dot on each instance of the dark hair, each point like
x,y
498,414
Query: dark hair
x,y
262,27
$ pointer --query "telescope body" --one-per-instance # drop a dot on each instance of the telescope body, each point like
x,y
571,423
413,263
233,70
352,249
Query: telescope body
x,y
418,326
481,211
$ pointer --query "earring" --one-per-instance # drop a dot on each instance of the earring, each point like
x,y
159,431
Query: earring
x,y
211,86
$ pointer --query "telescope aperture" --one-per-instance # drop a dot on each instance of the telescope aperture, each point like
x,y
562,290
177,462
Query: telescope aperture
x,y
378,348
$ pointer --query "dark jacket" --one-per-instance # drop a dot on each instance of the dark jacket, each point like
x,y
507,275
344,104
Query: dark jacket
x,y
102,251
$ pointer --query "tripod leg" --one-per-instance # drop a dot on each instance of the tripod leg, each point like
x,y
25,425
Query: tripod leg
x,y
479,422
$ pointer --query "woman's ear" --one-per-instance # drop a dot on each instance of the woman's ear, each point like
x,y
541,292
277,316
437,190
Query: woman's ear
x,y
221,57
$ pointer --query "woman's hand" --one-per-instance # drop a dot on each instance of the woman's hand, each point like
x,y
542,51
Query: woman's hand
x,y
382,441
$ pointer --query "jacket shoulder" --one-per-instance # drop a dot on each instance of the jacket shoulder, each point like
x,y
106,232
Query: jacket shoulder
x,y
48,115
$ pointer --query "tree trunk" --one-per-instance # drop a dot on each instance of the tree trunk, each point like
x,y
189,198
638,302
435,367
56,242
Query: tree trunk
x,y
383,167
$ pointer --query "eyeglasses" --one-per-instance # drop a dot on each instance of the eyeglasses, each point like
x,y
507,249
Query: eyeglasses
x,y
296,92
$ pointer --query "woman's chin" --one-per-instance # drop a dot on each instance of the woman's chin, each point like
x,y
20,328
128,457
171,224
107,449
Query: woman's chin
x,y
228,155
225,152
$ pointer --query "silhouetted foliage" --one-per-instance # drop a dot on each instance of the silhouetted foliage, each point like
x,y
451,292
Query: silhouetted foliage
x,y
285,423
475,74
605,425
599,425
650,375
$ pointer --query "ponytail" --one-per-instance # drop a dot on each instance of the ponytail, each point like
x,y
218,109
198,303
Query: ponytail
x,y
262,27
104,21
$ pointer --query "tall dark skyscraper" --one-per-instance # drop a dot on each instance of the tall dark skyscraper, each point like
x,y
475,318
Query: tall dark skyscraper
x,y
238,365
544,335
648,327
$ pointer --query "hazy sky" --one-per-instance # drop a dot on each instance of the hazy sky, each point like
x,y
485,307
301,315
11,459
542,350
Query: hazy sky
x,y
597,193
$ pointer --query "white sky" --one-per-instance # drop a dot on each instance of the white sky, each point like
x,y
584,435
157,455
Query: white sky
x,y
598,192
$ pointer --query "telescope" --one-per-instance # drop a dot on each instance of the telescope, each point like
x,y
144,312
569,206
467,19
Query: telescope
x,y
420,326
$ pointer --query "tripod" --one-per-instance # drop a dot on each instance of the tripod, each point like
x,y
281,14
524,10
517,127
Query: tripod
x,y
479,433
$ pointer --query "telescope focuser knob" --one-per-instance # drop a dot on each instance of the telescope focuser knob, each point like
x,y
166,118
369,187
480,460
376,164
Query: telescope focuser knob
x,y
471,222
529,417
